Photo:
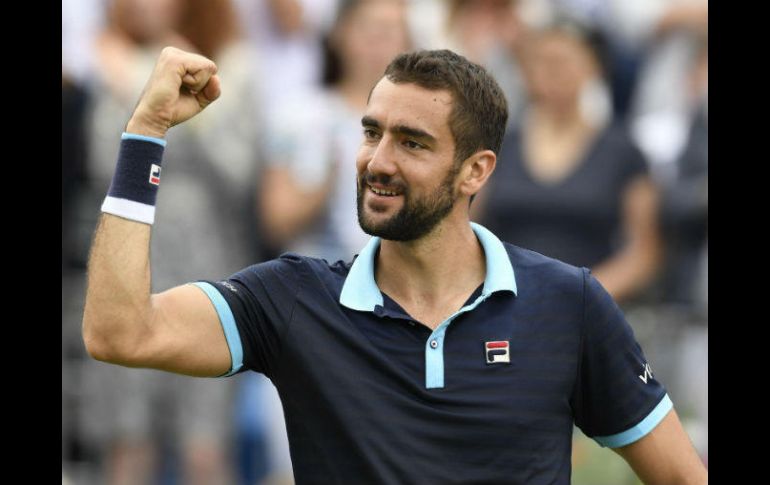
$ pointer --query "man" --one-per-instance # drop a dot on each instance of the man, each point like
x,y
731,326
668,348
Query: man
x,y
440,354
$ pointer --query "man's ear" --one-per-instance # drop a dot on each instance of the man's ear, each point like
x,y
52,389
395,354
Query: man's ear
x,y
475,171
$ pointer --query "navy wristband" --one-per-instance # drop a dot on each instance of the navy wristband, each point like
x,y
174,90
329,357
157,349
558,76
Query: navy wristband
x,y
134,187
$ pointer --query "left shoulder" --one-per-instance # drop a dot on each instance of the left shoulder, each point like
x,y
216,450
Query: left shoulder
x,y
536,270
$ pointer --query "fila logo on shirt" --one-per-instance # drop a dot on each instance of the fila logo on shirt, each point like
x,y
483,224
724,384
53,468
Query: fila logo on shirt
x,y
155,174
647,373
497,352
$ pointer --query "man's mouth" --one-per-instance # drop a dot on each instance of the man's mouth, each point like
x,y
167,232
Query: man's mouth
x,y
384,192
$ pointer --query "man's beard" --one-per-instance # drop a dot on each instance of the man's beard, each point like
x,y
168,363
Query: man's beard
x,y
416,218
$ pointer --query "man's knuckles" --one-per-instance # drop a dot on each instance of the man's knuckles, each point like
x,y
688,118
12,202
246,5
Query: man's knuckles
x,y
186,61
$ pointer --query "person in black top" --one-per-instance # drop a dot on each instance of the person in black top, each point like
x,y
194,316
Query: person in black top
x,y
570,183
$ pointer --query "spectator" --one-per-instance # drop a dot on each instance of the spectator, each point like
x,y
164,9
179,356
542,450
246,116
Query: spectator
x,y
491,33
570,184
309,197
674,37
682,171
287,35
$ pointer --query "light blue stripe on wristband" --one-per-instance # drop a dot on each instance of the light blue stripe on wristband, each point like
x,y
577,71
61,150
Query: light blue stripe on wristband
x,y
133,136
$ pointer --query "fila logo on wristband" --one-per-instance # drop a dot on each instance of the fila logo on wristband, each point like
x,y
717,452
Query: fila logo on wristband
x,y
136,181
497,352
155,174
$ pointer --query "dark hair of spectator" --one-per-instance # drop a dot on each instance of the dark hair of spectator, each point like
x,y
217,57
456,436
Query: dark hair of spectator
x,y
332,70
479,111
593,39
332,64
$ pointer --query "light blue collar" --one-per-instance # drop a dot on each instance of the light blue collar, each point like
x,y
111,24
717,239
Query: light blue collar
x,y
360,291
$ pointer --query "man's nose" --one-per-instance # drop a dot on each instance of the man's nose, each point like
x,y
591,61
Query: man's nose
x,y
383,158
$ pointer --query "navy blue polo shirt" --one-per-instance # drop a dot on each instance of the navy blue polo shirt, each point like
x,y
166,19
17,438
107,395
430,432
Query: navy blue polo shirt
x,y
370,395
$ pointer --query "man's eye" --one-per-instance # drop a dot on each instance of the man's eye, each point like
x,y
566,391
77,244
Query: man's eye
x,y
369,133
412,144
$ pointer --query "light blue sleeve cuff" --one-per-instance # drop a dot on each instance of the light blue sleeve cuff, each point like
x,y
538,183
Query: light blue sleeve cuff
x,y
133,136
637,432
228,325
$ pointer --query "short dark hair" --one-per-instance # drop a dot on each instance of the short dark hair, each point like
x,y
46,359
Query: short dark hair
x,y
593,39
479,112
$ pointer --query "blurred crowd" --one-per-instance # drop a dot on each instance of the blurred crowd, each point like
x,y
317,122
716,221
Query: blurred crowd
x,y
604,165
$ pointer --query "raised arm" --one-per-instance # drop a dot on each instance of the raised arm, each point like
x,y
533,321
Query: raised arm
x,y
123,323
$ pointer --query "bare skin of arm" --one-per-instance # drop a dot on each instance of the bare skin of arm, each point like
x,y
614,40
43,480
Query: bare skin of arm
x,y
123,322
665,456
286,208
634,266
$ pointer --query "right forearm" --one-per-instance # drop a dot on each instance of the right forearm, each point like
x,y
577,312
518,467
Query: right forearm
x,y
119,318
117,301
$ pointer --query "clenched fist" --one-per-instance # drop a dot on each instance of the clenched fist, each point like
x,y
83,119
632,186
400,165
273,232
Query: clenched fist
x,y
180,86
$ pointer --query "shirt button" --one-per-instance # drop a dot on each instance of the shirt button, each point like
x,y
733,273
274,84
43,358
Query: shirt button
x,y
433,344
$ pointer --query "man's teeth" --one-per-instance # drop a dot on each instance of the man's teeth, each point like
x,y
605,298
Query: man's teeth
x,y
382,191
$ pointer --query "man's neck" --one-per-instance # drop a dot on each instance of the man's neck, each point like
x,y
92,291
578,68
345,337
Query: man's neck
x,y
433,276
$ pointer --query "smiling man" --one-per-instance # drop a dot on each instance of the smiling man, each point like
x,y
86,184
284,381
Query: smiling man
x,y
439,354
418,215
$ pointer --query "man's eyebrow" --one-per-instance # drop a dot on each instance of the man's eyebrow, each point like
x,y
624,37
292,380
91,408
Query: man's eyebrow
x,y
414,133
368,121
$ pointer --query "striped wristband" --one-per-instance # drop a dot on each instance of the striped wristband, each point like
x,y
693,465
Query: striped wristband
x,y
135,184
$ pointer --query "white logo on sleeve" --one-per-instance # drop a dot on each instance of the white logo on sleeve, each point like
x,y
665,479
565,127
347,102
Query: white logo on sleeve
x,y
647,373
229,286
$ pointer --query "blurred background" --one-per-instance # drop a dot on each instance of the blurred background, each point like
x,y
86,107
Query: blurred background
x,y
604,165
